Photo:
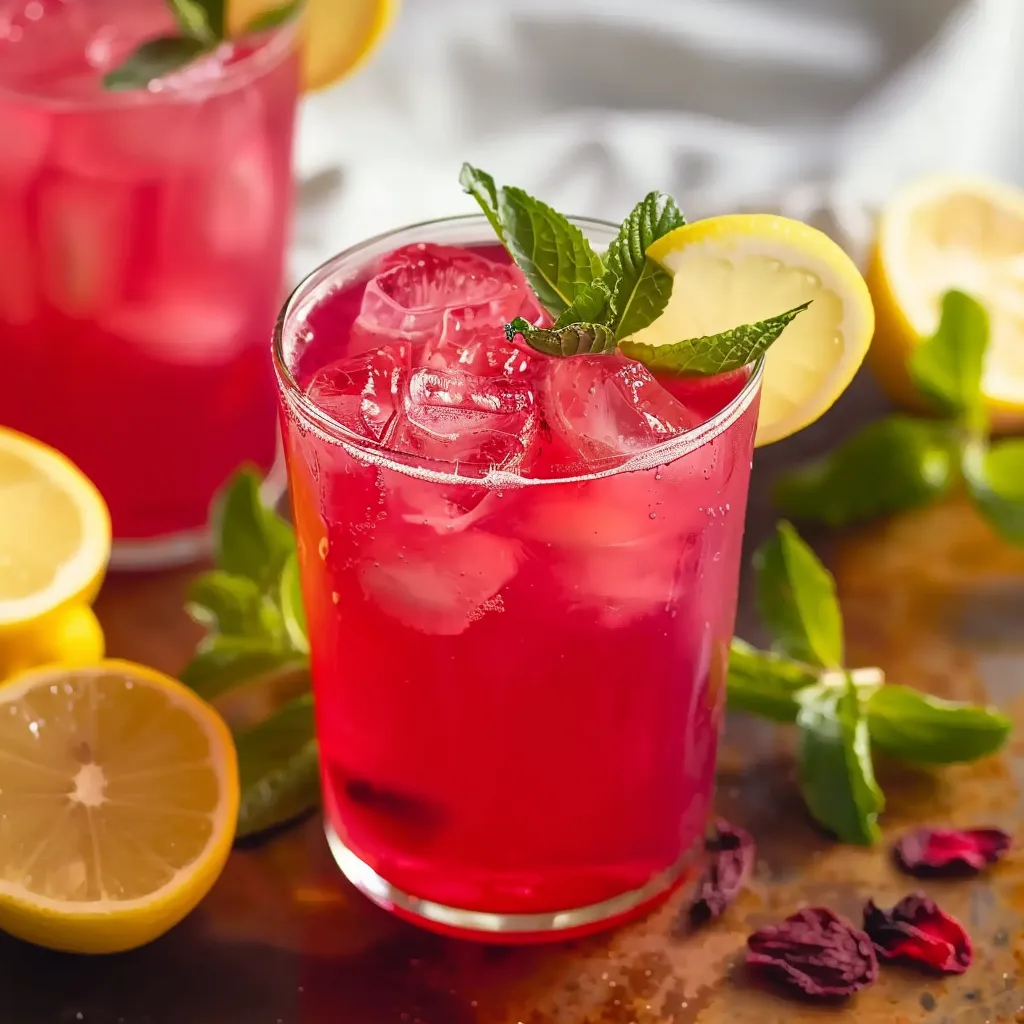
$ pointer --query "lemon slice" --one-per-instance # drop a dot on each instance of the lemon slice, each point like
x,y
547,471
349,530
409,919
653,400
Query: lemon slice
x,y
54,533
338,35
118,802
742,268
940,233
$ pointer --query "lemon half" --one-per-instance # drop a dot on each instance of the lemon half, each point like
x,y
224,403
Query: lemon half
x,y
741,268
54,533
940,233
118,804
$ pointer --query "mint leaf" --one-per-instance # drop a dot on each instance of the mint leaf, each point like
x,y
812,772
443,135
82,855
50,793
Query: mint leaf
x,y
948,366
837,777
796,598
764,683
223,662
893,464
292,609
593,305
918,727
272,18
572,340
995,482
641,287
251,540
199,19
153,60
278,770
234,606
556,258
717,353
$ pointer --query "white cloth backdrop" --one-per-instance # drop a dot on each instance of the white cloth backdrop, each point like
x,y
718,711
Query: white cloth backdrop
x,y
725,103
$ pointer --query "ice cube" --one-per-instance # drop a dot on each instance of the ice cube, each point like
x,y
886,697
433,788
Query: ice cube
x,y
84,235
435,583
607,405
464,418
183,326
473,343
410,298
362,393
240,204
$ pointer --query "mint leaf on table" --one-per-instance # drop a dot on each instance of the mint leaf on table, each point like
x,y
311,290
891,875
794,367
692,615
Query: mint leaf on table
x,y
571,340
155,59
716,353
995,483
948,367
250,539
764,683
278,769
892,464
917,727
553,253
796,598
837,776
641,287
223,662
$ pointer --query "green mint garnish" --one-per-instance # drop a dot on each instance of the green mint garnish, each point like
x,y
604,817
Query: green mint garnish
x,y
252,610
716,353
841,713
640,287
598,302
202,27
901,462
575,339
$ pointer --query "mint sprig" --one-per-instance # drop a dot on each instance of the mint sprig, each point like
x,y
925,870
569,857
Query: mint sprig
x,y
202,27
251,608
842,714
902,462
597,302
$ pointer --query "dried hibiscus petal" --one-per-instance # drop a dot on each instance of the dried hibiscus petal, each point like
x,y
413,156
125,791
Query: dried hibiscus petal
x,y
945,851
815,951
917,931
730,853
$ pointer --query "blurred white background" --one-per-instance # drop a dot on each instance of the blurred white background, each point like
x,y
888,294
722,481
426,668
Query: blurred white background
x,y
725,103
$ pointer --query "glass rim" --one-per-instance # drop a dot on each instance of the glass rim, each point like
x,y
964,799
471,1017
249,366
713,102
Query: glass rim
x,y
435,470
281,39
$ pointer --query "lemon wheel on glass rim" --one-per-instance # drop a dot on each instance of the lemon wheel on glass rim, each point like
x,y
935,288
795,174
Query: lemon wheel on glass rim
x,y
742,268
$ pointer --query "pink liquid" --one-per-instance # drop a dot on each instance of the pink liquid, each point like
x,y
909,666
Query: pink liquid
x,y
142,257
519,686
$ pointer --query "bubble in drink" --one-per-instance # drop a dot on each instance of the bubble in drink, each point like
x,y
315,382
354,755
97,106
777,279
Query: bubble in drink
x,y
603,406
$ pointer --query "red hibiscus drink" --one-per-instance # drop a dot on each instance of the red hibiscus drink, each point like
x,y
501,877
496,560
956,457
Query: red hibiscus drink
x,y
141,267
520,577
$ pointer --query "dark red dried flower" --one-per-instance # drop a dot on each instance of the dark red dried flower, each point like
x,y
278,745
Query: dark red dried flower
x,y
730,853
947,851
817,952
917,931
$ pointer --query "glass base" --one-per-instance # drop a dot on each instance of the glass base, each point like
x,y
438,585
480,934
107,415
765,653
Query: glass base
x,y
553,926
190,546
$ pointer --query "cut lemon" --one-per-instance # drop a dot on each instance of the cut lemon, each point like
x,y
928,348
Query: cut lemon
x,y
941,233
742,268
338,35
54,533
118,802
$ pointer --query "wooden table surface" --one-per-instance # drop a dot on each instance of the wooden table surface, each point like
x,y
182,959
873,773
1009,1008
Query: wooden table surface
x,y
931,597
